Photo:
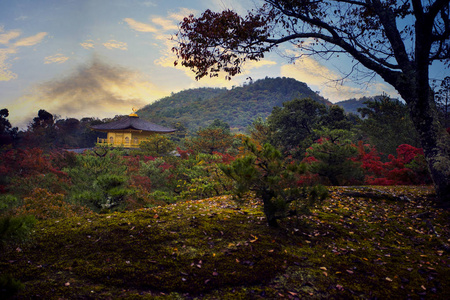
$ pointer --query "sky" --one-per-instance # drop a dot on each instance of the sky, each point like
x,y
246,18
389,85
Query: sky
x,y
101,58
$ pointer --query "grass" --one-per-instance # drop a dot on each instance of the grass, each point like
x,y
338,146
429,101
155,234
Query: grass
x,y
349,247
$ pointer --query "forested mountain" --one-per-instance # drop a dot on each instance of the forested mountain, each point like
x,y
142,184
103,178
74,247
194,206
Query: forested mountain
x,y
238,107
352,105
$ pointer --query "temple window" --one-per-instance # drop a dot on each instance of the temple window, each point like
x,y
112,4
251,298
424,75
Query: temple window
x,y
111,140
127,140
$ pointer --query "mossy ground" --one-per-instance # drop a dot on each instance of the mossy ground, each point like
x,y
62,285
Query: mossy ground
x,y
213,249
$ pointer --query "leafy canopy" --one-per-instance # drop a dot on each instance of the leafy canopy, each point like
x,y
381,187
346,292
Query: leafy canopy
x,y
373,32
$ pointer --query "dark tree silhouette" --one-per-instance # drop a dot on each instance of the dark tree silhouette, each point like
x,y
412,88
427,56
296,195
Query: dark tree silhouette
x,y
7,133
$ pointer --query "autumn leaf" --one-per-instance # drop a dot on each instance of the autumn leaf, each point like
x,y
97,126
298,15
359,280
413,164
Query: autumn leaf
x,y
255,238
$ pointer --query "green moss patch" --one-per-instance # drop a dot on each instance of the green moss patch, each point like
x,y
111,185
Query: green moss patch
x,y
350,247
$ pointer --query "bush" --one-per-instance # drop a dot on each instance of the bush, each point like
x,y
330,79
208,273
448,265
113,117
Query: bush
x,y
331,158
15,228
274,180
157,145
7,202
99,182
46,205
408,168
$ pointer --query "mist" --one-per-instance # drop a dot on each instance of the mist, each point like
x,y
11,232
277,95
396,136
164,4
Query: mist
x,y
97,89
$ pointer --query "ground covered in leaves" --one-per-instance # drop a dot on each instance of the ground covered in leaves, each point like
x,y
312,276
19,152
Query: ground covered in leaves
x,y
393,243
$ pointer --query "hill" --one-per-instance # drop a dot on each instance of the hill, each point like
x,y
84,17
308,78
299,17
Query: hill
x,y
238,107
352,105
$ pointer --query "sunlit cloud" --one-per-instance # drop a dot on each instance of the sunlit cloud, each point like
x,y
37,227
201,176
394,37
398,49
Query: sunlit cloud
x,y
181,13
320,77
57,58
6,38
31,40
10,35
88,44
139,26
168,58
113,44
5,73
165,23
94,90
250,65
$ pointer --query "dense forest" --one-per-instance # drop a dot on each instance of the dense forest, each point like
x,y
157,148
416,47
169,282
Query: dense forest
x,y
301,168
238,106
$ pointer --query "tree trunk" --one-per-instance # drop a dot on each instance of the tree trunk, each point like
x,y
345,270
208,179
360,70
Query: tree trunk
x,y
435,143
269,208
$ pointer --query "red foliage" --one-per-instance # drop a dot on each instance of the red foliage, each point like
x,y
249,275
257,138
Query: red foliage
x,y
185,153
26,162
393,172
370,159
132,163
165,166
148,158
308,179
143,182
27,169
226,158
309,159
407,153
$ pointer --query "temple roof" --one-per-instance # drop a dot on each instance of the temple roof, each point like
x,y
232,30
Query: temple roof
x,y
132,122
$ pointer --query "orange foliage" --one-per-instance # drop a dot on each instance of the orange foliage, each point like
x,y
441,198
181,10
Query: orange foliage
x,y
45,205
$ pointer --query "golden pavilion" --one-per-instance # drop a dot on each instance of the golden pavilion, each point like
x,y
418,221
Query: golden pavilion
x,y
129,131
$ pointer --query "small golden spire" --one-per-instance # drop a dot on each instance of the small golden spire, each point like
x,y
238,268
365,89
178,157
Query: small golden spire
x,y
133,114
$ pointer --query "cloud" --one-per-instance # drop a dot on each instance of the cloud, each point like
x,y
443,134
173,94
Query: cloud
x,y
165,23
5,73
149,4
181,13
31,40
170,23
11,35
239,6
167,61
96,89
138,26
113,44
21,18
250,65
5,38
88,44
328,82
57,58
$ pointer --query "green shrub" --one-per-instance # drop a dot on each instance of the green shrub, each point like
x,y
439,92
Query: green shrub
x,y
331,158
7,202
157,145
274,180
99,182
15,228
